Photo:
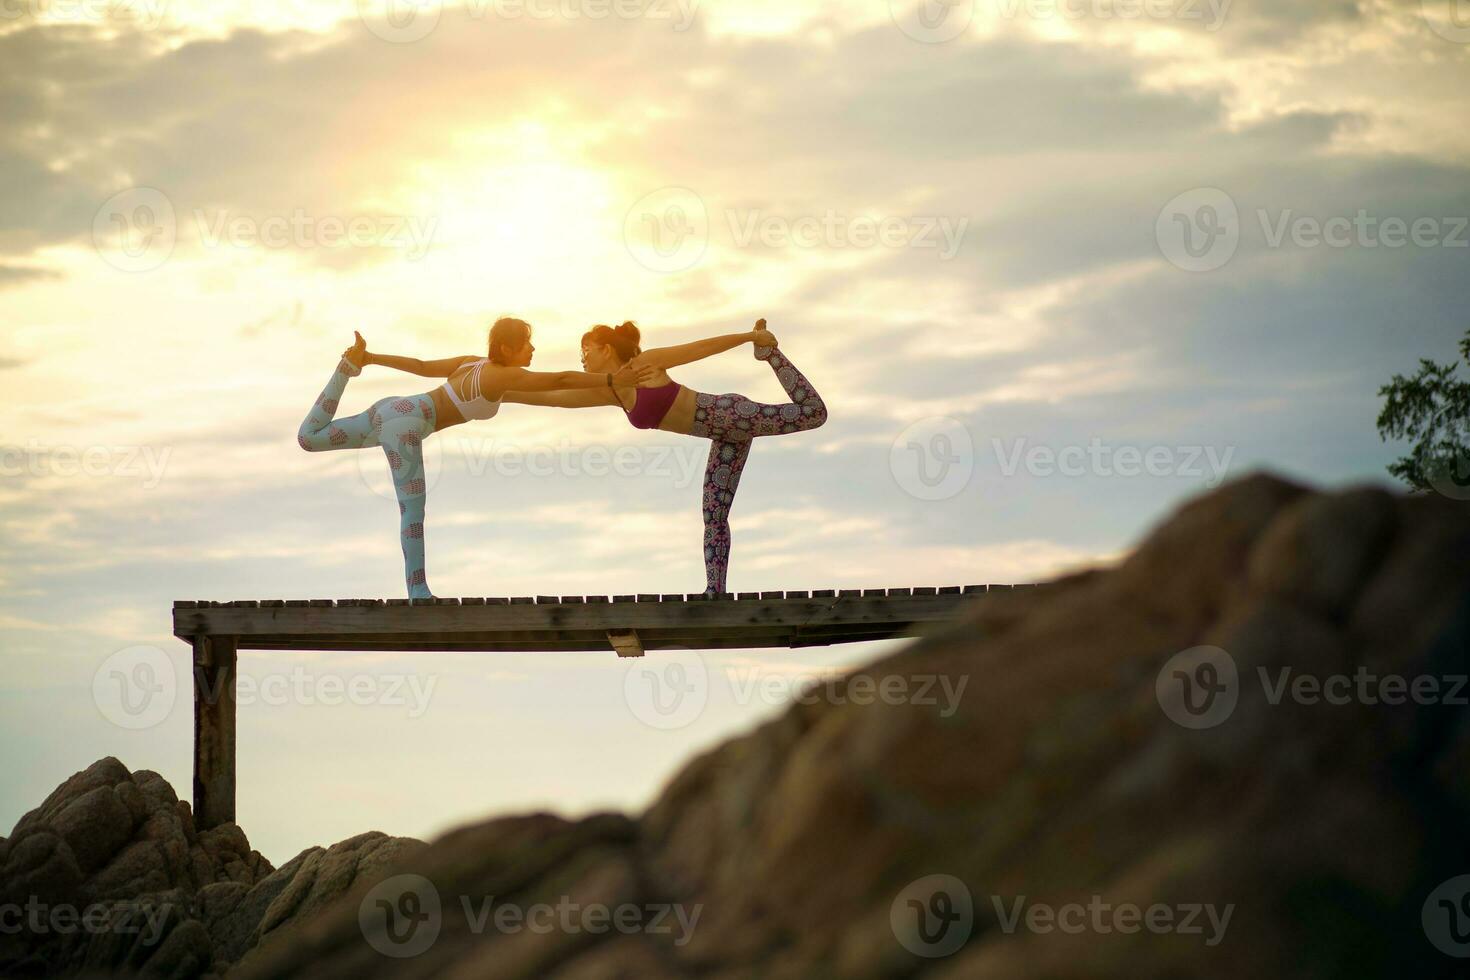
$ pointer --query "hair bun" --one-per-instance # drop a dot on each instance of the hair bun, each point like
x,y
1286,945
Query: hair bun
x,y
628,329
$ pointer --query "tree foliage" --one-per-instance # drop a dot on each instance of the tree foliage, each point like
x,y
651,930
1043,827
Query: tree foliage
x,y
1433,409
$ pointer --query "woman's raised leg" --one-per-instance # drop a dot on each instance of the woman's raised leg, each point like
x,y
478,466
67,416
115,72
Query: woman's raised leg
x,y
318,431
735,417
721,480
806,409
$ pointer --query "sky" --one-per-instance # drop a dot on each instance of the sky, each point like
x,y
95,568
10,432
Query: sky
x,y
1054,267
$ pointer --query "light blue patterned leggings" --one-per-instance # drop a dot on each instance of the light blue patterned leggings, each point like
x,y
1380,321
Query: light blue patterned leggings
x,y
400,426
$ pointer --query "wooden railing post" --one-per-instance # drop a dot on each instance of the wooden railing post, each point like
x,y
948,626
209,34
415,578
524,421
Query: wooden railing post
x,y
214,730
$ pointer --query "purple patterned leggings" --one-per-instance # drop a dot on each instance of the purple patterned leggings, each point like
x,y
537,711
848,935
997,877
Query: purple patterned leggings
x,y
731,422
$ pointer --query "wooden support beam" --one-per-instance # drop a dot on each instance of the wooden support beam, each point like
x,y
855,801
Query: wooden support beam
x,y
625,642
214,730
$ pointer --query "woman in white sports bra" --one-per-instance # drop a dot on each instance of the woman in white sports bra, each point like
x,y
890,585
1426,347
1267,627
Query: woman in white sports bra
x,y
400,425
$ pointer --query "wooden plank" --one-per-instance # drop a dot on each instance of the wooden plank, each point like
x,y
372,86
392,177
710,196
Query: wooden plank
x,y
215,660
625,642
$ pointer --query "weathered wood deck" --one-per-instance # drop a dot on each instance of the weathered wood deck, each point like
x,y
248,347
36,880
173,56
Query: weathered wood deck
x,y
625,624
525,623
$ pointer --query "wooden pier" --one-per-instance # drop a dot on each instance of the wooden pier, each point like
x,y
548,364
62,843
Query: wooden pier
x,y
627,625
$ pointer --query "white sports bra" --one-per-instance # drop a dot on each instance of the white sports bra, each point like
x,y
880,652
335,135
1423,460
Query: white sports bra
x,y
476,407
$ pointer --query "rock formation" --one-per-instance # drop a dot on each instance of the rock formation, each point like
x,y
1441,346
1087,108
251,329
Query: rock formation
x,y
186,903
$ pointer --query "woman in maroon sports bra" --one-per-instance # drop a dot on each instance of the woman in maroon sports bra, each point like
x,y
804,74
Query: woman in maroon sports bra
x,y
729,421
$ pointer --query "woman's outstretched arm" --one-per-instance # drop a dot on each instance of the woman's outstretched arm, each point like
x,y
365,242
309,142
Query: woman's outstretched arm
x,y
496,380
585,398
668,357
441,368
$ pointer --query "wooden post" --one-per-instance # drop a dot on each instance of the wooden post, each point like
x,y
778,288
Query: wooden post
x,y
214,730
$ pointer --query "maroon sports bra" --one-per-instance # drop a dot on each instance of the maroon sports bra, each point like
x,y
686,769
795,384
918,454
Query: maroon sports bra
x,y
650,405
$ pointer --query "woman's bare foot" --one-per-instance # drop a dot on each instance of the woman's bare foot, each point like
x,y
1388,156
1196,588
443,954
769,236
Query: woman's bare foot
x,y
356,355
765,341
